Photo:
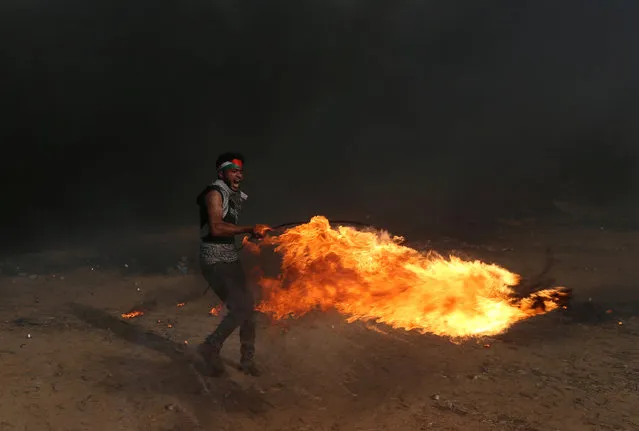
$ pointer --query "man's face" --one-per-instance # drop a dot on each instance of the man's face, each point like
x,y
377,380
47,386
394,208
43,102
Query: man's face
x,y
233,177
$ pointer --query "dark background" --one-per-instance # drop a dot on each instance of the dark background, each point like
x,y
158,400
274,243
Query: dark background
x,y
427,116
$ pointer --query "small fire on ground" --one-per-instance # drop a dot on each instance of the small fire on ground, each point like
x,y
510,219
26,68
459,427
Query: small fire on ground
x,y
132,314
215,311
372,276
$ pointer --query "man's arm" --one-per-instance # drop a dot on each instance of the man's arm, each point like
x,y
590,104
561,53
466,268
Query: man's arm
x,y
218,226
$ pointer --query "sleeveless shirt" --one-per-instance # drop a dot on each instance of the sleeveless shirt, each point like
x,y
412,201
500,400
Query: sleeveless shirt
x,y
214,249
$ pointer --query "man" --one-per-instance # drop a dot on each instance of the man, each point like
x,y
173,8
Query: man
x,y
220,205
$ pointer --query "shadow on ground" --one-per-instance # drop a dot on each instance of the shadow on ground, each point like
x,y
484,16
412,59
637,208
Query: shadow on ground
x,y
183,376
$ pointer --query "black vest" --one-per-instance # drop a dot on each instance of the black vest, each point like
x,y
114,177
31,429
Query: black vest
x,y
231,205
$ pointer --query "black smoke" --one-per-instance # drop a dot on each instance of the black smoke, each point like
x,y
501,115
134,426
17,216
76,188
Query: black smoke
x,y
423,115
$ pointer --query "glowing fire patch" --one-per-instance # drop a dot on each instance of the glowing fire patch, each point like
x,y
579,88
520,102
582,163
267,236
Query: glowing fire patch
x,y
215,311
372,276
132,314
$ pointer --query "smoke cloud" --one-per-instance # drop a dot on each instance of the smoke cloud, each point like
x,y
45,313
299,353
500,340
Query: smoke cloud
x,y
424,116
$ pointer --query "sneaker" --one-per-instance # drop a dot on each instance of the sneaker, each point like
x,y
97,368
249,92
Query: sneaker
x,y
212,359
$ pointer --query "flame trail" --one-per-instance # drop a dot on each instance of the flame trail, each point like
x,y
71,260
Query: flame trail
x,y
372,276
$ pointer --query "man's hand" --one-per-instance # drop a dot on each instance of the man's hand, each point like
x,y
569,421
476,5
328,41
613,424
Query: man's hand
x,y
259,230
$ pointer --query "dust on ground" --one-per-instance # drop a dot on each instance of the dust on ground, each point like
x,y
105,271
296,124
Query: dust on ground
x,y
70,362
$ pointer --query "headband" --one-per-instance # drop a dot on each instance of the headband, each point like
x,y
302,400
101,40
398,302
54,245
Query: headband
x,y
233,164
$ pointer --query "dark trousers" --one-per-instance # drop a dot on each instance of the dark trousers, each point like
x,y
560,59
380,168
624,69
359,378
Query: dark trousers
x,y
228,281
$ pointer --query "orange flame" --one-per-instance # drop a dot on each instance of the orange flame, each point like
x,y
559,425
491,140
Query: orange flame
x,y
371,276
132,314
181,304
250,246
215,311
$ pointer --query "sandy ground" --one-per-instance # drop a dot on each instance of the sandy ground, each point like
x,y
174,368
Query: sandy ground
x,y
69,362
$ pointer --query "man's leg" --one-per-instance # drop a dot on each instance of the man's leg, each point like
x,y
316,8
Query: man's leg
x,y
210,349
229,283
241,306
247,343
231,290
246,312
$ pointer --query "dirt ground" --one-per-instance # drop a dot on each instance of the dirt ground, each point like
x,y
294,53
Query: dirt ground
x,y
70,362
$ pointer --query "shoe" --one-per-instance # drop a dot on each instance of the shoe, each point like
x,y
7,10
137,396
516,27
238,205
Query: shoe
x,y
249,368
212,359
